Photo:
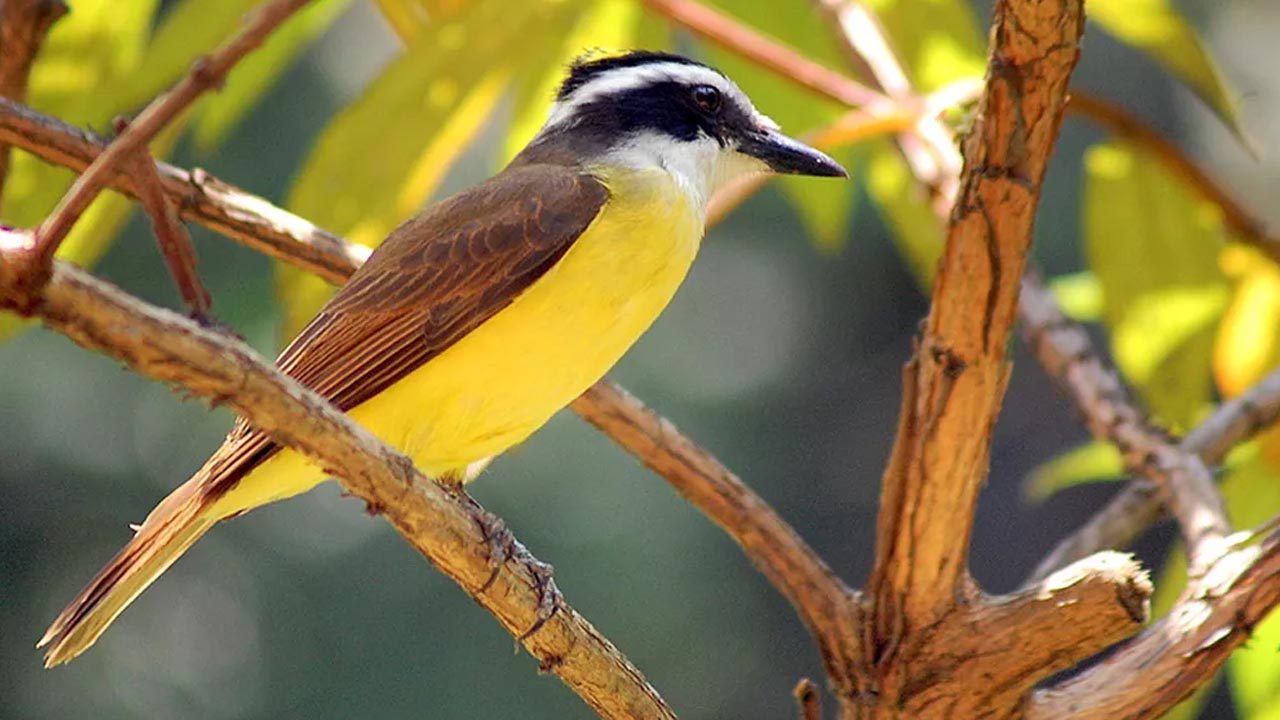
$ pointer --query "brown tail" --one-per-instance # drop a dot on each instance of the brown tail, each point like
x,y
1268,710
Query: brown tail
x,y
169,530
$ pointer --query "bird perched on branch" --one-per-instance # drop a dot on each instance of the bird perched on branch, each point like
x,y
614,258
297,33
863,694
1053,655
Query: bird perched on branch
x,y
478,319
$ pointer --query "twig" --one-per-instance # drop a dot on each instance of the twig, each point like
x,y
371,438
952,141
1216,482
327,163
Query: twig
x,y
1068,356
23,25
1137,506
171,236
455,534
723,30
1243,224
955,382
197,196
207,73
767,540
1166,662
809,699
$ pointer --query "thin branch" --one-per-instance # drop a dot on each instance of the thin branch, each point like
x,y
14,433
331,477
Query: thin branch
x,y
453,532
1137,506
767,540
724,30
207,73
808,699
1068,356
828,608
23,26
1243,224
955,382
197,196
171,236
1166,662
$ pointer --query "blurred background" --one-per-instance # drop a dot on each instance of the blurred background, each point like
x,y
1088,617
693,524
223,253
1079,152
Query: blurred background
x,y
781,355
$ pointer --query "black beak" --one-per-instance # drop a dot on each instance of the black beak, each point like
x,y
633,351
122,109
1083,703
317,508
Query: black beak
x,y
785,155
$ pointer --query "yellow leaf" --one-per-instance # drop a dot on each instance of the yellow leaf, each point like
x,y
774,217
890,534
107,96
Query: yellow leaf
x,y
1080,295
1157,28
1247,345
1153,245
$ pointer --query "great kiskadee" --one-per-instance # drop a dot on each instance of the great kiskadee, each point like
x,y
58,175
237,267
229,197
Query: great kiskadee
x,y
478,319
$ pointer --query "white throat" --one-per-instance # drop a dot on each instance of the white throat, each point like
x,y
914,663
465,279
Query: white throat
x,y
699,167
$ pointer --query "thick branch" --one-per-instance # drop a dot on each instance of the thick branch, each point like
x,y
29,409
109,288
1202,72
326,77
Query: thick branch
x,y
955,383
1016,641
1170,659
23,25
1137,506
453,533
1068,356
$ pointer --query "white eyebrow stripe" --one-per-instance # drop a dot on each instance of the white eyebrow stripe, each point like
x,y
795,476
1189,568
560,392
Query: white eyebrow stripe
x,y
623,79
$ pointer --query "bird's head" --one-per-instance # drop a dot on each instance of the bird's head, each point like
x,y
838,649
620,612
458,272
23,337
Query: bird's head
x,y
646,109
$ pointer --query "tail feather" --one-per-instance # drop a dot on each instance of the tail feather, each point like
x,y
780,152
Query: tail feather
x,y
167,533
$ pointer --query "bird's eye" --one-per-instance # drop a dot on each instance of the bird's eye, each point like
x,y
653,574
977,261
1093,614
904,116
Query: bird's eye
x,y
707,98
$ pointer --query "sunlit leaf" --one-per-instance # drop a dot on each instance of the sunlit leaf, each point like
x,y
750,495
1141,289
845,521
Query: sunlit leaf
x,y
606,25
826,208
1248,346
1089,463
1154,244
1079,295
258,72
937,41
918,233
385,154
1157,28
189,29
409,18
89,56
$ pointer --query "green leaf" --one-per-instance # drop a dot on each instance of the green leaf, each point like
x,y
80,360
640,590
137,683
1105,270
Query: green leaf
x,y
258,73
89,55
937,41
917,232
1091,462
607,25
1154,244
385,154
825,208
1252,491
1156,28
1079,295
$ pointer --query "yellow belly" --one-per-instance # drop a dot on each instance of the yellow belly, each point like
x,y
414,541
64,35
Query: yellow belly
x,y
505,379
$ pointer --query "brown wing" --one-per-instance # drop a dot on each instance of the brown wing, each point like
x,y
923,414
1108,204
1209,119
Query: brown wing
x,y
433,280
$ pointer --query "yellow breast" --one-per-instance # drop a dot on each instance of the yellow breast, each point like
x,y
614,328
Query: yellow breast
x,y
504,380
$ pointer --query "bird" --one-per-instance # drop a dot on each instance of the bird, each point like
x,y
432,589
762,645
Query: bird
x,y
486,313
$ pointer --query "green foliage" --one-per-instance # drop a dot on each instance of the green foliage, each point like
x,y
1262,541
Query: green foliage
x,y
1079,295
89,56
1089,463
1157,28
1154,245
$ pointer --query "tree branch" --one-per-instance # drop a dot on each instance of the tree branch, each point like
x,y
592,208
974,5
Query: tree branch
x,y
23,25
207,73
171,236
1068,356
454,533
955,382
1166,662
1137,506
